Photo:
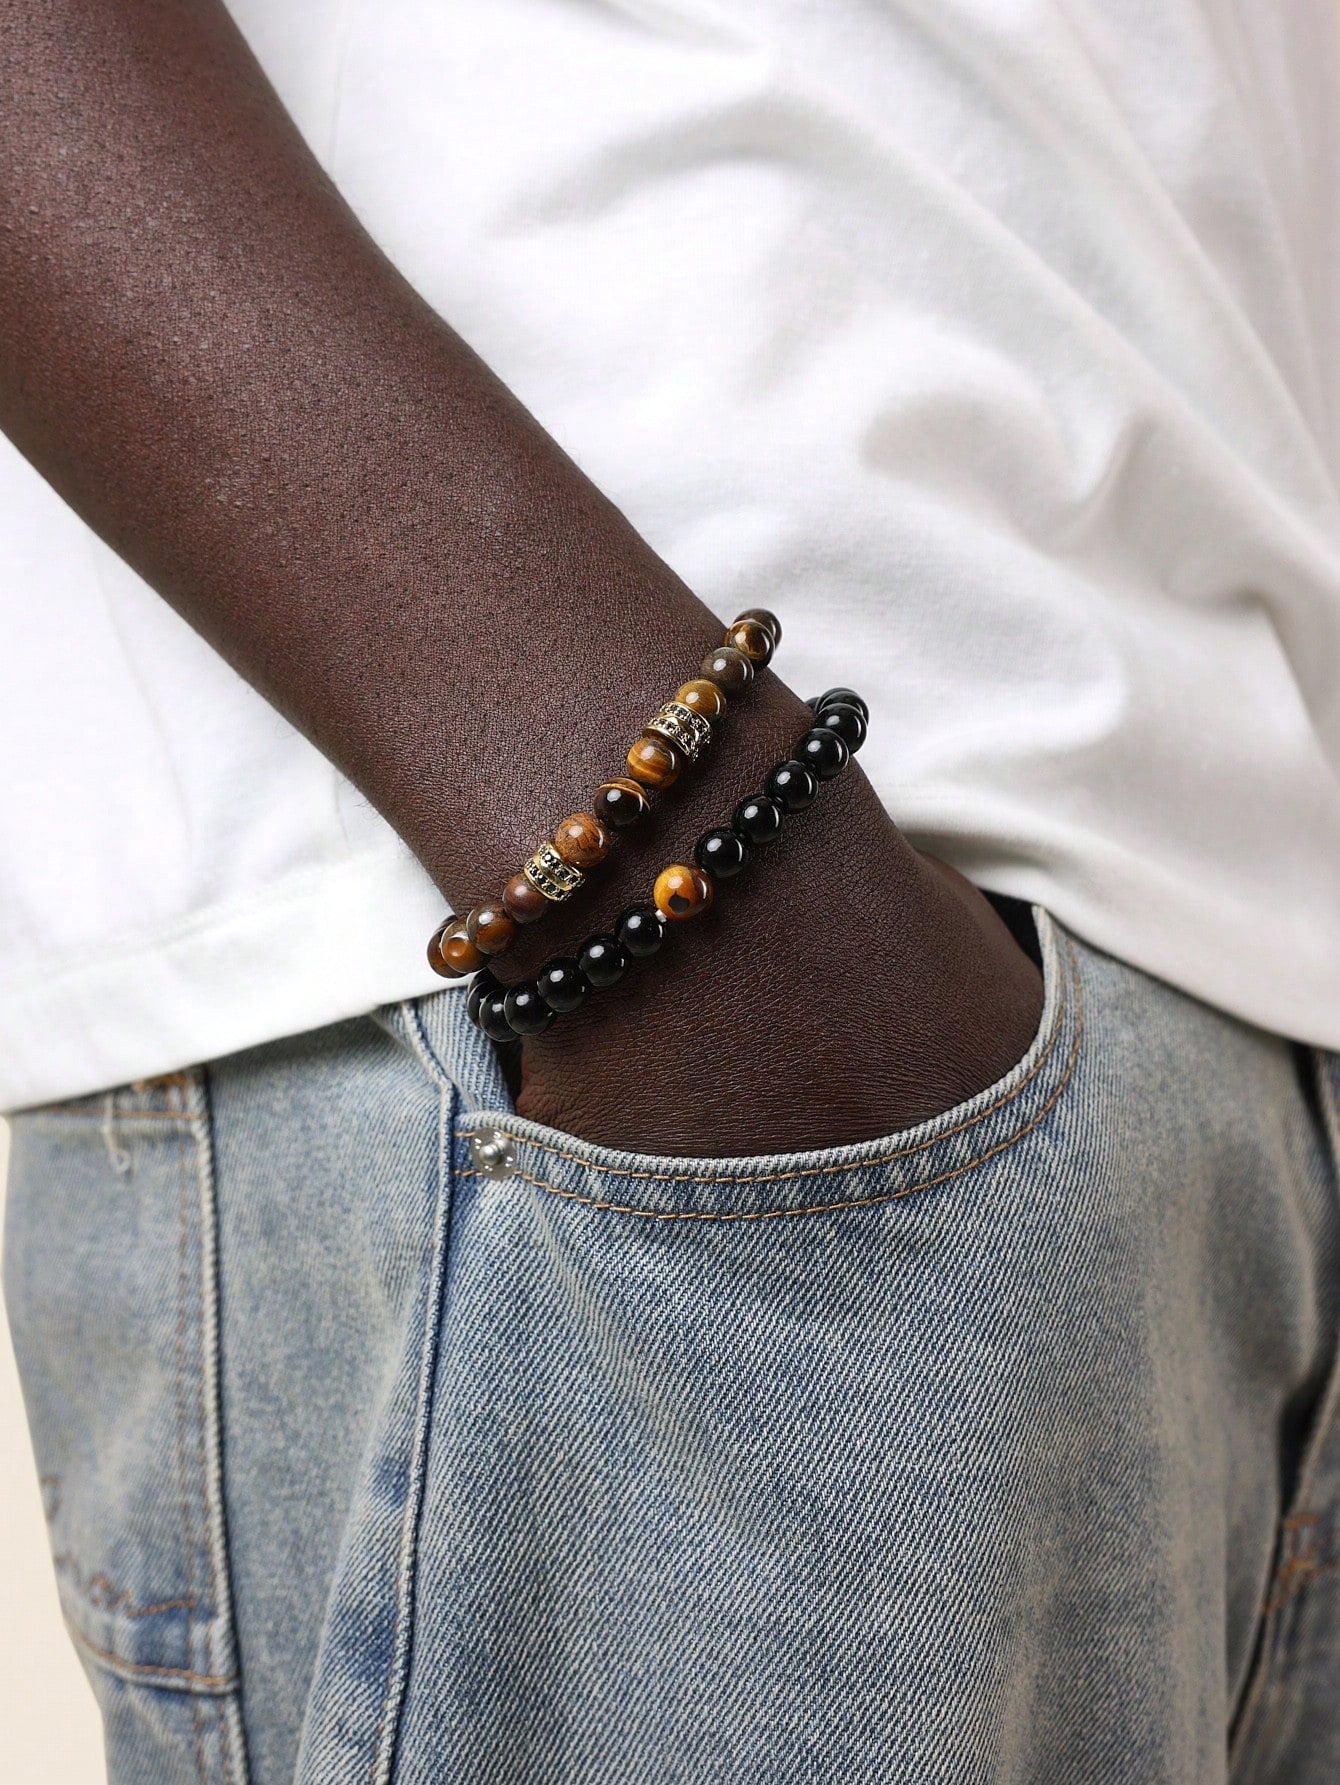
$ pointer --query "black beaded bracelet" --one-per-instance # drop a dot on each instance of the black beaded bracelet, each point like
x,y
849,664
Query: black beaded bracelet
x,y
682,890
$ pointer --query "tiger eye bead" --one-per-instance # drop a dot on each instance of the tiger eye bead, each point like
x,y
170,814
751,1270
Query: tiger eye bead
x,y
435,960
491,927
682,892
582,840
702,696
451,952
765,617
653,762
524,901
754,641
620,802
727,667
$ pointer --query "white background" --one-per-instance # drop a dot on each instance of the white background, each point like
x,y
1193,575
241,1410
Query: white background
x,y
49,1728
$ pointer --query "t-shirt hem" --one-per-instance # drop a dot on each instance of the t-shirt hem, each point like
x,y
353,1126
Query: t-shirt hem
x,y
330,946
336,943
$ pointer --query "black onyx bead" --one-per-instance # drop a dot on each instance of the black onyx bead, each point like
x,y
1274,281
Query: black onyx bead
x,y
824,752
846,697
482,986
846,720
562,984
723,854
526,1010
792,785
492,1018
602,960
758,819
641,930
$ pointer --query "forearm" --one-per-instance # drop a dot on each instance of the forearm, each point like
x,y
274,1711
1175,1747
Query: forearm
x,y
213,363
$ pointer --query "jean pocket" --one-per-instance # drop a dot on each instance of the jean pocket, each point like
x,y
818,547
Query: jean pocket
x,y
819,1182
110,1284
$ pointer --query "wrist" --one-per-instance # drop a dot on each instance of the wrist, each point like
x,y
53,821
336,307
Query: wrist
x,y
762,724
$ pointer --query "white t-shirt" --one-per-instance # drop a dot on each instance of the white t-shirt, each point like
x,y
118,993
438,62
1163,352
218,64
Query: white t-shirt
x,y
995,345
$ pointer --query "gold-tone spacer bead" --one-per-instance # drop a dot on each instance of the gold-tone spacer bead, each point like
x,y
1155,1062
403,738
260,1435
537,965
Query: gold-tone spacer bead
x,y
688,731
550,874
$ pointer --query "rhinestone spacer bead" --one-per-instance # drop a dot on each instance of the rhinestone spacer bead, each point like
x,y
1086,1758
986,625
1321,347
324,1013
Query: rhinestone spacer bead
x,y
550,874
688,731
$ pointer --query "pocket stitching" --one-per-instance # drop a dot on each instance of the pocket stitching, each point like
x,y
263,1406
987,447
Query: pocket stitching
x,y
827,1208
217,1681
809,1171
187,1523
185,1391
93,1587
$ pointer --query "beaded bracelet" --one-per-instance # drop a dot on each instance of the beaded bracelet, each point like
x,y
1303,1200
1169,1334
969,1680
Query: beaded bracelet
x,y
672,738
683,890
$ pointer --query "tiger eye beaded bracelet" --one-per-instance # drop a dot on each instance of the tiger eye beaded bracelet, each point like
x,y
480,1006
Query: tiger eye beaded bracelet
x,y
682,891
671,739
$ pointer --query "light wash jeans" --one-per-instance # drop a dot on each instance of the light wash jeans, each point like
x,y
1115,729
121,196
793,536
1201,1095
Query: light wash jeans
x,y
1004,1449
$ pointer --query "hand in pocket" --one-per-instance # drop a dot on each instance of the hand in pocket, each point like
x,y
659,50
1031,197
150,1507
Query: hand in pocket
x,y
848,987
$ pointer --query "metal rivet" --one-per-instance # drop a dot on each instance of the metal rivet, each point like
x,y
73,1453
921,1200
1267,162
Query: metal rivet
x,y
493,1153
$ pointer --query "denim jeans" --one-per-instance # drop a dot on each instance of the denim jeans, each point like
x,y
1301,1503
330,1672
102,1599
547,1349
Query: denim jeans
x,y
387,1436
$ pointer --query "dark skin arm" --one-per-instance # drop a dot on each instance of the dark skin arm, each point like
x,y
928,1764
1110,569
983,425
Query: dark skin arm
x,y
207,356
